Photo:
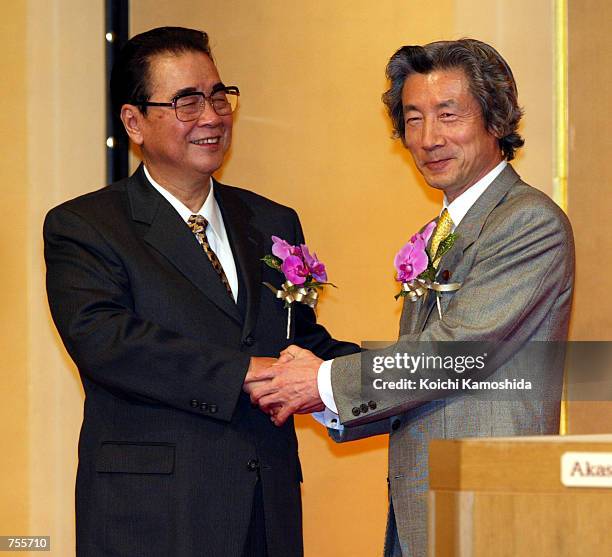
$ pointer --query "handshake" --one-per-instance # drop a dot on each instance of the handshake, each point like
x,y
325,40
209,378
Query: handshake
x,y
285,386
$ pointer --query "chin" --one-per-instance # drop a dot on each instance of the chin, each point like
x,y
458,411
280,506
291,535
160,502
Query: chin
x,y
437,183
209,166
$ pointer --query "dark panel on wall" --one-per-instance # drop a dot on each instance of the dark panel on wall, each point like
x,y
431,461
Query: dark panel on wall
x,y
117,144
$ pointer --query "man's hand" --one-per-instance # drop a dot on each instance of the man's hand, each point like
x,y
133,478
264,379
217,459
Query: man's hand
x,y
288,387
256,374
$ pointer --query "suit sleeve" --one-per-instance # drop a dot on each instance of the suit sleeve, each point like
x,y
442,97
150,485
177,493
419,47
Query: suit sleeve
x,y
518,275
308,333
92,307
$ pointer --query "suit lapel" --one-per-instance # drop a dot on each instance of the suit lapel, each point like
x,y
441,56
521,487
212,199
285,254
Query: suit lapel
x,y
467,233
247,247
171,237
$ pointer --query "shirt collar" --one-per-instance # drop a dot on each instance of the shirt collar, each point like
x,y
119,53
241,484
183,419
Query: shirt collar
x,y
460,206
209,210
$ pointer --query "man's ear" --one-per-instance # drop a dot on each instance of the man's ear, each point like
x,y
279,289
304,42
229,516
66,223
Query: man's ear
x,y
132,121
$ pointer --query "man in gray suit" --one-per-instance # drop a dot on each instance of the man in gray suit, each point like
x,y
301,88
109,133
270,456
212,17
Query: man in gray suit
x,y
454,105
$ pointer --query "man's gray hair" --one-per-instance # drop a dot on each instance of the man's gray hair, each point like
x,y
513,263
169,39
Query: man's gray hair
x,y
490,81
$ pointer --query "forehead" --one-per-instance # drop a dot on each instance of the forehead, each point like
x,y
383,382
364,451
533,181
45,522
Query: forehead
x,y
169,72
435,88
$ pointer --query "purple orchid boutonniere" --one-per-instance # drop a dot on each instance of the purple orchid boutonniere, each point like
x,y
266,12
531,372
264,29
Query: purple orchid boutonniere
x,y
412,259
415,266
304,275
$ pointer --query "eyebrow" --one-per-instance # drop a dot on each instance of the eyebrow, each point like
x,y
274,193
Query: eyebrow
x,y
186,90
444,104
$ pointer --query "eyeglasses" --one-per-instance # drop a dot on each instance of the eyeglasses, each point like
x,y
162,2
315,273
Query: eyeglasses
x,y
189,106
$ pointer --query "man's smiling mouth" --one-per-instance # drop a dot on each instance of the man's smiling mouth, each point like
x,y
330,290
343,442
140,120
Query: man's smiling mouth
x,y
206,141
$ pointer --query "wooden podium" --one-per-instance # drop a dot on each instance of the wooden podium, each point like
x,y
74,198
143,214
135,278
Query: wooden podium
x,y
499,497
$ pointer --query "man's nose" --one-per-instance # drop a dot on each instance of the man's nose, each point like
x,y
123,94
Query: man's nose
x,y
208,116
431,135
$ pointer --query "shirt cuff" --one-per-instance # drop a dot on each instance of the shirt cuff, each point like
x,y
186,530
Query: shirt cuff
x,y
329,419
325,387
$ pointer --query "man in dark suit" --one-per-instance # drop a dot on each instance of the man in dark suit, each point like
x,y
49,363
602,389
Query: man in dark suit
x,y
155,285
454,105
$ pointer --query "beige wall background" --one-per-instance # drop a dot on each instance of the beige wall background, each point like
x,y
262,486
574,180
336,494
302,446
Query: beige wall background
x,y
65,134
52,148
590,176
14,275
311,133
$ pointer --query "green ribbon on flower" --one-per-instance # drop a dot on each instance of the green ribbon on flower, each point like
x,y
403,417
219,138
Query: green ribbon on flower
x,y
290,293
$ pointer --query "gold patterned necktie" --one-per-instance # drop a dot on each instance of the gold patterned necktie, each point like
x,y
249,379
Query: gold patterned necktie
x,y
443,229
198,225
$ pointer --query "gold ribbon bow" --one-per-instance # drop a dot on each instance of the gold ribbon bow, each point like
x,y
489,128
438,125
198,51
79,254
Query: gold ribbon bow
x,y
420,287
290,293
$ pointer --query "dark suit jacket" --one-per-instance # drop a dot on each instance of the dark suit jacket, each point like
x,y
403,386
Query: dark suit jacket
x,y
170,448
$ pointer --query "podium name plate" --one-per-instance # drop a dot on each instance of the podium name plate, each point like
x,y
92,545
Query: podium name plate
x,y
586,469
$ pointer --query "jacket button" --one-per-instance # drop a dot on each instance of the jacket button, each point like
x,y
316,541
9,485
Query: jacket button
x,y
249,341
356,411
194,403
395,424
372,405
364,408
252,465
212,408
203,407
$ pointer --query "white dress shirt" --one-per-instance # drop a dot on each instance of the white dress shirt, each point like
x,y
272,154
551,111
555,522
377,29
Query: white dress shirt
x,y
215,231
457,210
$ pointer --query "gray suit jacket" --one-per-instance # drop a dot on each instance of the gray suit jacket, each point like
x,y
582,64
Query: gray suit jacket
x,y
515,259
